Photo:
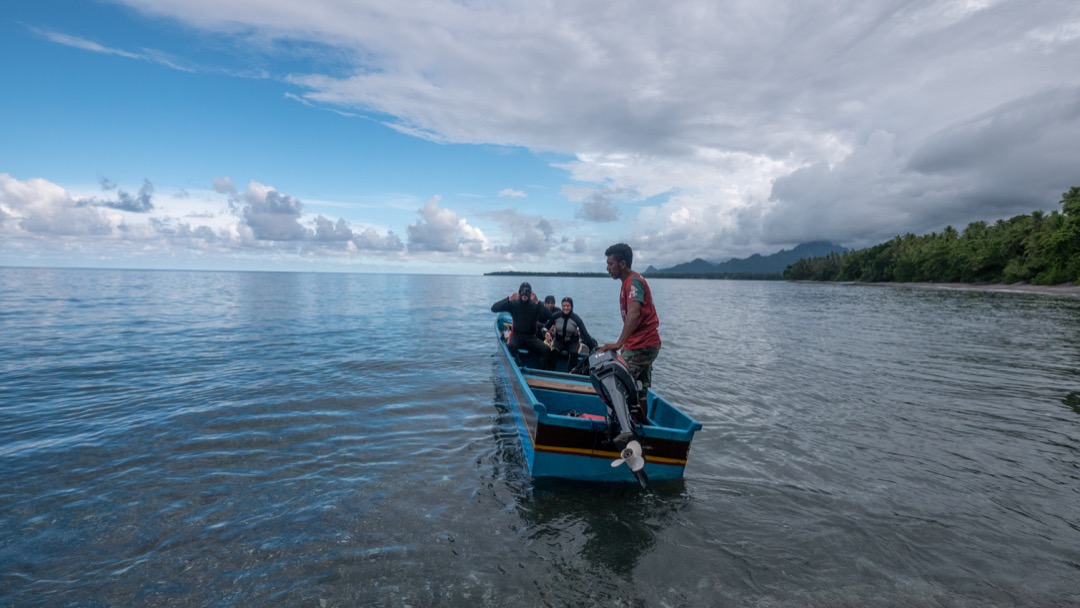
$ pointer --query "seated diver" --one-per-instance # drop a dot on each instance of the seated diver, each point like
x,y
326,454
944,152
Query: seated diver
x,y
568,333
526,311
541,327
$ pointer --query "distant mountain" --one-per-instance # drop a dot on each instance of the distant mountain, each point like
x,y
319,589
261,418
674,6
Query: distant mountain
x,y
754,265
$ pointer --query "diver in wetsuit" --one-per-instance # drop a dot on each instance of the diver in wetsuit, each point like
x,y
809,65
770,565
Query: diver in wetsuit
x,y
526,310
568,331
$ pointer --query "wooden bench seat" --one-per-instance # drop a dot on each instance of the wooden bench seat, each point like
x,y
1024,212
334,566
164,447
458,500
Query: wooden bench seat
x,y
555,385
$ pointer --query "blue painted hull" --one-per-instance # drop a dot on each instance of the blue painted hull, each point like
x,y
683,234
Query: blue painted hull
x,y
558,442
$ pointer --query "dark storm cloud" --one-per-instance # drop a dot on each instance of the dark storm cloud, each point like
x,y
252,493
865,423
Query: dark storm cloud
x,y
1007,161
1018,151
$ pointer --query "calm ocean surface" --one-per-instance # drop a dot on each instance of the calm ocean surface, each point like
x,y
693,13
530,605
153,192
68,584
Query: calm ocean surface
x,y
275,439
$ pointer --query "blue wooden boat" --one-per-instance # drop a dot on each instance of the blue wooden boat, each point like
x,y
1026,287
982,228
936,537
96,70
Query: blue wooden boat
x,y
564,425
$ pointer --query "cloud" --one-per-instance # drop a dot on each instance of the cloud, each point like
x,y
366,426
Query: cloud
x,y
224,185
143,203
273,216
370,240
510,192
736,126
529,234
259,218
440,230
598,207
330,231
992,146
437,230
39,207
978,168
150,55
832,200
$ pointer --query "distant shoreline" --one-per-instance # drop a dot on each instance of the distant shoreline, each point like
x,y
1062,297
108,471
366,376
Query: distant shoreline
x,y
727,276
522,273
1066,290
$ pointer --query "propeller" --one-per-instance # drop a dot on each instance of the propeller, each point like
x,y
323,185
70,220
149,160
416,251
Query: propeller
x,y
631,455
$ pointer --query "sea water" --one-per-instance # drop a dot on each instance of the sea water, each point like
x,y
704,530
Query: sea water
x,y
260,439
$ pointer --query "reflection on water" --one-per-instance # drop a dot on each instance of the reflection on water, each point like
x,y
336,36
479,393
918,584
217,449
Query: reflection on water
x,y
1072,400
604,529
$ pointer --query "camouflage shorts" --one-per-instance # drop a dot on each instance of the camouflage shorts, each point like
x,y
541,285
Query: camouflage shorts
x,y
640,361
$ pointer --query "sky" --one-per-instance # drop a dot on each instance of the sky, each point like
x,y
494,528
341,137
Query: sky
x,y
469,136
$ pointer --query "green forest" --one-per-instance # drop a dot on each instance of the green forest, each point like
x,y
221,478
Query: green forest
x,y
1039,248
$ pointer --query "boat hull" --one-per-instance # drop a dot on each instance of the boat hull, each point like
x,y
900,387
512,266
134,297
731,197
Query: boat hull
x,y
558,442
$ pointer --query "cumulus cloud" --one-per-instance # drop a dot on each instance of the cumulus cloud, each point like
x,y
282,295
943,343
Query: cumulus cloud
x,y
369,239
439,229
529,234
39,207
328,230
270,215
273,216
261,217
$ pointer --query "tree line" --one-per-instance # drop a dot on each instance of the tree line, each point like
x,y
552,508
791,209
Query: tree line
x,y
1039,248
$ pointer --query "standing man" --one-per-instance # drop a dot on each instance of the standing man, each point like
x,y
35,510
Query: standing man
x,y
527,312
639,340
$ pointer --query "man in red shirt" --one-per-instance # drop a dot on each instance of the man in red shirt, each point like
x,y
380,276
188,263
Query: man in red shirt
x,y
639,340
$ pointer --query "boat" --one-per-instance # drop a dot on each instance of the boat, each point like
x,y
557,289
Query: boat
x,y
569,427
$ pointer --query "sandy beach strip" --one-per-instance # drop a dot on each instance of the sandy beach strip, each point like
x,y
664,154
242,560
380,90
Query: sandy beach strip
x,y
1066,290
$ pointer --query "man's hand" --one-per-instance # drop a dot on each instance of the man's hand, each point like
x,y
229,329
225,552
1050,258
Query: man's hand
x,y
514,296
607,347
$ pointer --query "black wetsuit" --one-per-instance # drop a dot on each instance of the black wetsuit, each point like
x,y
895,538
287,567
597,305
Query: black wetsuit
x,y
527,314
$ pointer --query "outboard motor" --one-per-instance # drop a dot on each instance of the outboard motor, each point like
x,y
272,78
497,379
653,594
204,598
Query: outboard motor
x,y
619,392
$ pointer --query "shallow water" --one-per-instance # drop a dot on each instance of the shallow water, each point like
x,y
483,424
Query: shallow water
x,y
213,439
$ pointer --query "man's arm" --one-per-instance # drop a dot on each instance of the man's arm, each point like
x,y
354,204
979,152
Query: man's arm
x,y
585,337
551,321
504,304
633,318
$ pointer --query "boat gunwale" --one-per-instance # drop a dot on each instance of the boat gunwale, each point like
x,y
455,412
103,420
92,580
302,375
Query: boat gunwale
x,y
532,420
